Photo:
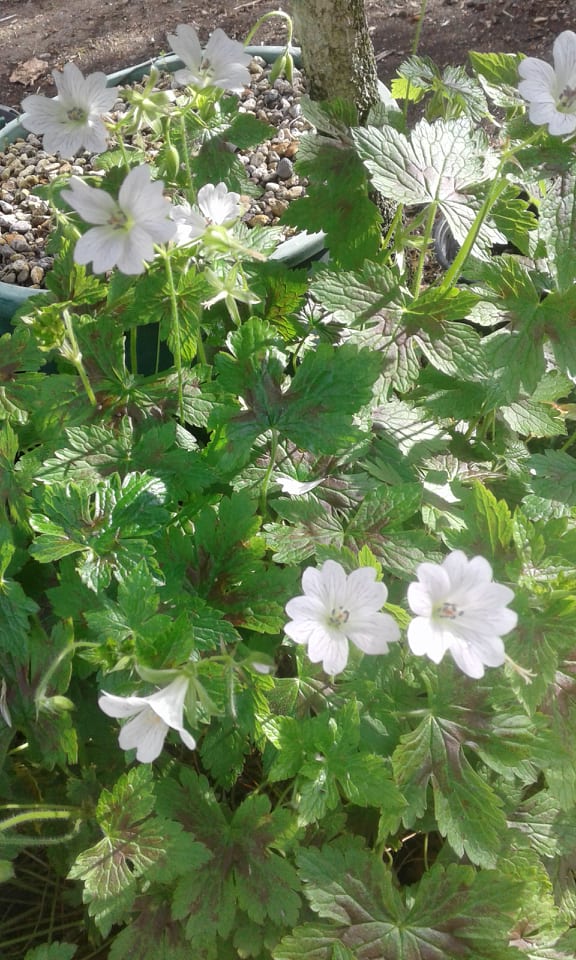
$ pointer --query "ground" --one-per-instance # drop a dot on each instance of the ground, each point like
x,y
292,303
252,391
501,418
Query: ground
x,y
38,35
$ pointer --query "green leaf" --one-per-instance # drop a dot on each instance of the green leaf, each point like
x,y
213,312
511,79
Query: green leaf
x,y
52,951
152,935
498,74
557,228
354,297
133,843
468,811
498,68
244,872
513,216
530,418
325,757
452,914
337,200
436,164
106,522
329,386
551,831
555,316
553,475
15,611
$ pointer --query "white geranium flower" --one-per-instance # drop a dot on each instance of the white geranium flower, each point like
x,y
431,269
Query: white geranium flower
x,y
152,717
216,205
337,608
72,121
128,228
460,609
223,64
551,92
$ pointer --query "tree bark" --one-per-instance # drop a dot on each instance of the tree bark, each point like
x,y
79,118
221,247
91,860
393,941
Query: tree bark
x,y
337,52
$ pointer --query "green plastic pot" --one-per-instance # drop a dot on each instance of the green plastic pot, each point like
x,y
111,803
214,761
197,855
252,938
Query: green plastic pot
x,y
295,251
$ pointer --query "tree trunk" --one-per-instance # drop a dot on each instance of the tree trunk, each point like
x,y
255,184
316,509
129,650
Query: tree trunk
x,y
337,52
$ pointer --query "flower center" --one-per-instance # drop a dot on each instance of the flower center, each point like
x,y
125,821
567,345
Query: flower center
x,y
566,100
118,220
77,115
338,617
206,68
448,611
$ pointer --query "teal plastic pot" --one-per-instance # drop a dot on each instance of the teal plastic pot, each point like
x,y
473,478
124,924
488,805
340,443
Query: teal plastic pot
x,y
295,251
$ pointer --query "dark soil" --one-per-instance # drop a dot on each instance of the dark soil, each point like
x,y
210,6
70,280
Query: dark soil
x,y
38,35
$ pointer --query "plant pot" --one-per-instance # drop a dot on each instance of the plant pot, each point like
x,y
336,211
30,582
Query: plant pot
x,y
296,251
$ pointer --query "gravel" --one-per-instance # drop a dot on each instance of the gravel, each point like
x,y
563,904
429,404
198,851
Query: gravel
x,y
26,220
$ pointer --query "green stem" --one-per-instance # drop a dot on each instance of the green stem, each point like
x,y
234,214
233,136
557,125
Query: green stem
x,y
269,469
269,16
498,184
425,244
419,25
123,151
425,852
396,219
24,938
176,327
415,45
454,270
33,814
185,151
568,443
73,354
134,350
43,685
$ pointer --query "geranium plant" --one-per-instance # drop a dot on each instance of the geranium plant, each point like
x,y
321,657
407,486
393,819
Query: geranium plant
x,y
288,556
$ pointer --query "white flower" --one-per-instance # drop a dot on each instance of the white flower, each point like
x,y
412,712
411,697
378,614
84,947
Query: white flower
x,y
216,205
460,609
152,716
73,119
128,228
295,488
224,63
4,711
551,93
337,608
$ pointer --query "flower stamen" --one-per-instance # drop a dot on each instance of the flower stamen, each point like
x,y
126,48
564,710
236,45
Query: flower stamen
x,y
567,99
77,115
338,616
449,611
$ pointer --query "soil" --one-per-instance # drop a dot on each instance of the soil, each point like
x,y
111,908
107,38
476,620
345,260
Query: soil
x,y
38,35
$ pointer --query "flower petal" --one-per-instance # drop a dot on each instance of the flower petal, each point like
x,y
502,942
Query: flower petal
x,y
564,55
327,583
375,633
562,123
538,72
467,659
114,706
364,591
146,733
186,45
100,246
305,608
330,647
425,638
218,204
93,205
168,702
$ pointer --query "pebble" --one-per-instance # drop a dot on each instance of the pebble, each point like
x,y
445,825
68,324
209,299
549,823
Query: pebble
x,y
26,220
285,169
